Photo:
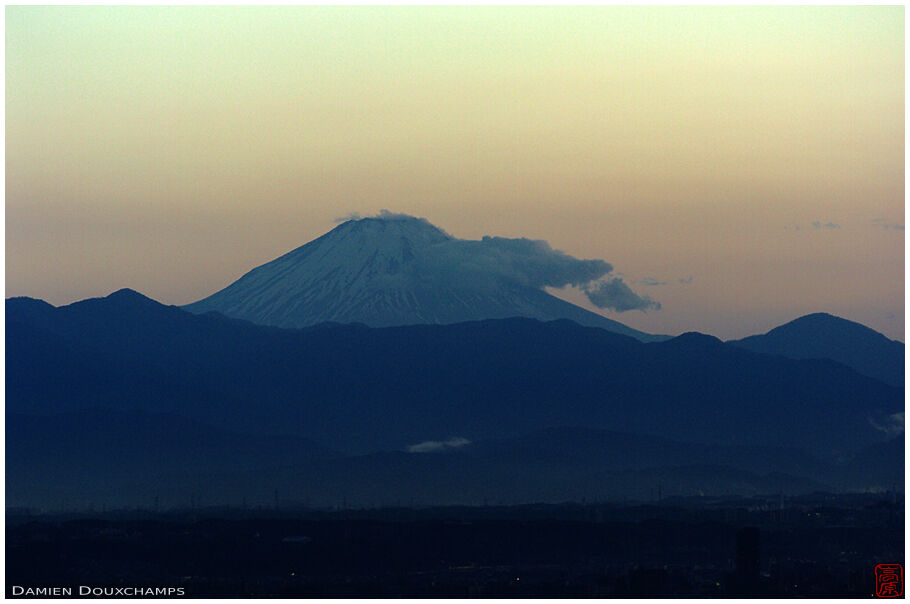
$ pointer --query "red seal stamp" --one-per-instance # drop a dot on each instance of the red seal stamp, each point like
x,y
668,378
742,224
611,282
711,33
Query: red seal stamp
x,y
889,580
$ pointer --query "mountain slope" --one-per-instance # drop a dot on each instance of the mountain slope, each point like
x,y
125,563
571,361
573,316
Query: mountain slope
x,y
824,336
400,270
130,441
364,389
110,457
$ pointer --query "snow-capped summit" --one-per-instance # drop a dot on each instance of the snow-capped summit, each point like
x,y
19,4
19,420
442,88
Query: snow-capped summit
x,y
399,270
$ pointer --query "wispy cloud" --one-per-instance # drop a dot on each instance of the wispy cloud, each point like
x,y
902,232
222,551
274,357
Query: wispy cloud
x,y
885,224
893,425
816,225
651,282
433,446
686,280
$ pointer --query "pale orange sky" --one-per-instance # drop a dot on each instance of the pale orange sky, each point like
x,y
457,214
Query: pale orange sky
x,y
171,150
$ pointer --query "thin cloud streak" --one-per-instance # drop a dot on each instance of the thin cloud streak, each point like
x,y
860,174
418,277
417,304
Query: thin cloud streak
x,y
435,446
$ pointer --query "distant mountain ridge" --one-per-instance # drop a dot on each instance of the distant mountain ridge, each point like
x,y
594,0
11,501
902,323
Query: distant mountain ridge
x,y
117,458
825,336
122,400
362,389
399,270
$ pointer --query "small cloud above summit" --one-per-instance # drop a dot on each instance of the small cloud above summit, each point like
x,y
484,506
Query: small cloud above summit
x,y
385,215
381,215
348,217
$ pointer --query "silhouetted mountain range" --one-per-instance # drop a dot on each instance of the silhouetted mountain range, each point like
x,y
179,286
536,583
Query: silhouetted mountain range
x,y
824,336
363,389
117,458
122,399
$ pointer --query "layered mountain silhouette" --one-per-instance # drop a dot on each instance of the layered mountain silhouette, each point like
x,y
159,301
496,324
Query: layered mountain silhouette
x,y
116,458
365,389
824,336
400,270
123,399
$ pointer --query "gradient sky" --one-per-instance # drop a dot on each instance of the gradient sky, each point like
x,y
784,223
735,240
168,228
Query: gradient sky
x,y
755,152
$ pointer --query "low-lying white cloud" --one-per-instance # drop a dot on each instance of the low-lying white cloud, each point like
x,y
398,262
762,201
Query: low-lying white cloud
x,y
893,425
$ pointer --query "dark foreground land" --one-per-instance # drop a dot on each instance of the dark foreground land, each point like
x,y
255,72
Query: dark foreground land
x,y
810,546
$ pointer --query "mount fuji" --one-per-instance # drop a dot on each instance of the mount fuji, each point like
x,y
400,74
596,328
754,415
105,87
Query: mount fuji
x,y
400,270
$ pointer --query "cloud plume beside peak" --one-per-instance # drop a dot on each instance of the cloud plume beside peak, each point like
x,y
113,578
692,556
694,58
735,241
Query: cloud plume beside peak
x,y
527,261
501,261
616,295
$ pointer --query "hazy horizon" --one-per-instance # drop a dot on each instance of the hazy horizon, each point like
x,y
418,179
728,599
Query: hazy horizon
x,y
742,166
